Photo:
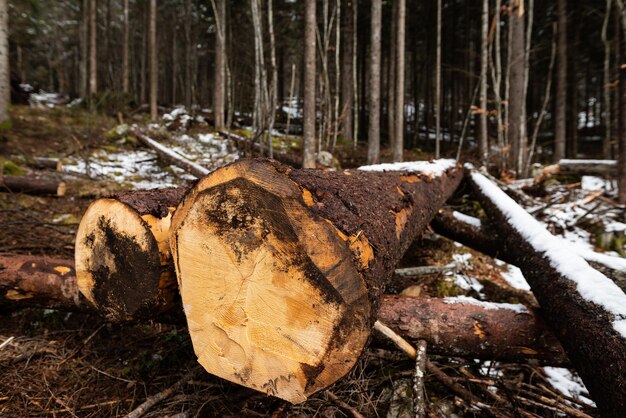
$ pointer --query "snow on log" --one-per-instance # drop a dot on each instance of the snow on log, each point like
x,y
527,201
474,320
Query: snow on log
x,y
39,281
585,308
281,271
466,327
123,260
170,156
32,185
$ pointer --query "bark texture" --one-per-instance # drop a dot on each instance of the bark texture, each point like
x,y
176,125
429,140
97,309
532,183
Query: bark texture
x,y
585,329
398,143
267,251
308,134
472,331
154,70
219,79
373,133
516,124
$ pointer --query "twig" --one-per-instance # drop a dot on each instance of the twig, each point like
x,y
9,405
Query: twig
x,y
155,399
113,377
6,342
410,272
343,405
418,380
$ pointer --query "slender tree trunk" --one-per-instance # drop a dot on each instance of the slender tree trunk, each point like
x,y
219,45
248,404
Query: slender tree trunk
x,y
93,66
347,81
621,146
309,85
399,99
84,49
438,85
125,63
391,76
355,73
497,83
273,99
154,75
5,79
220,61
188,99
373,141
606,114
561,83
516,131
483,144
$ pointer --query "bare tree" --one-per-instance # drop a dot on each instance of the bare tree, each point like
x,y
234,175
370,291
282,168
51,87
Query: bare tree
x,y
606,114
125,70
373,141
516,123
219,79
482,137
561,82
309,85
438,85
399,96
153,62
5,80
347,82
273,92
496,76
93,66
188,97
84,49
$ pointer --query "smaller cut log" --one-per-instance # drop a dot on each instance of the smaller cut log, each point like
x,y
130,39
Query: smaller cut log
x,y
170,156
32,185
46,163
605,168
123,260
586,310
466,327
40,281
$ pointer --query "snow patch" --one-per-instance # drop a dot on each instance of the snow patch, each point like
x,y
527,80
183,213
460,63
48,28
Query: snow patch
x,y
590,283
593,183
568,383
467,219
515,278
433,168
466,300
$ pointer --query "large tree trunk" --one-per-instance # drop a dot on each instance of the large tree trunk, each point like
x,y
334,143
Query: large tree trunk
x,y
470,328
347,81
219,79
281,271
516,124
586,310
373,135
398,143
451,326
560,128
5,77
308,134
32,185
123,260
154,70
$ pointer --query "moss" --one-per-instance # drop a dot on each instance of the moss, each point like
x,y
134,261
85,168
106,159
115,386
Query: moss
x,y
447,288
6,125
9,168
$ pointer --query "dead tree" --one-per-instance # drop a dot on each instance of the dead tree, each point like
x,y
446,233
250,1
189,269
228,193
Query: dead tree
x,y
586,310
281,271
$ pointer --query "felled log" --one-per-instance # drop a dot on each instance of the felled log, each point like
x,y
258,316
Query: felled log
x,y
281,271
46,163
586,310
282,156
604,168
170,156
32,185
123,260
39,281
460,327
466,327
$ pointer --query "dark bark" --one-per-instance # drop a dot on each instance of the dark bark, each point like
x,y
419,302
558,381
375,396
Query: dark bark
x,y
347,81
561,82
308,135
472,331
621,146
516,123
373,134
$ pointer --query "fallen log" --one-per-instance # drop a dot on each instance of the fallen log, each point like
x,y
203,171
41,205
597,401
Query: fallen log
x,y
605,168
40,281
32,185
466,327
281,271
46,163
586,310
454,327
170,156
282,156
123,260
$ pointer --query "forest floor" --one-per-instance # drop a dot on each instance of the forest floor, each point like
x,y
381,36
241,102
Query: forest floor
x,y
72,364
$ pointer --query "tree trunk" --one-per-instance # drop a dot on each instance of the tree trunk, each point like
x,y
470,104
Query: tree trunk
x,y
93,57
569,292
487,331
347,81
83,65
373,135
5,77
308,134
483,144
606,80
621,146
516,124
123,260
281,271
391,76
561,83
273,90
399,96
31,185
154,70
188,47
220,64
125,62
437,85
469,328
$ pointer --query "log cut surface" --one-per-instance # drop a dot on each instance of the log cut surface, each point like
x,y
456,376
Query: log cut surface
x,y
123,261
280,270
